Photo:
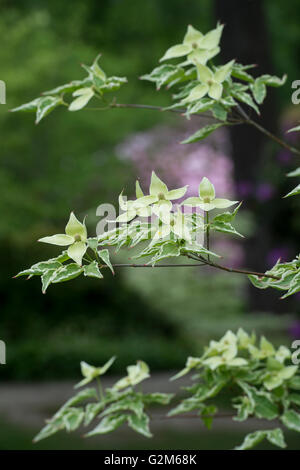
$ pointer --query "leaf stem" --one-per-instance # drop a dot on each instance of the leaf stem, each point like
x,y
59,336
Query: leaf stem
x,y
207,232
100,389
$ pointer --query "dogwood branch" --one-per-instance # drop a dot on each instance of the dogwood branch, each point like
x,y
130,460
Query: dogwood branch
x,y
233,270
271,136
191,265
245,119
176,111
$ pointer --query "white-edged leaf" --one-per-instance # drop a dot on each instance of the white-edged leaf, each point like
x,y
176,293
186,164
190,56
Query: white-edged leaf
x,y
294,172
202,133
108,424
67,272
291,419
104,255
294,192
139,424
92,270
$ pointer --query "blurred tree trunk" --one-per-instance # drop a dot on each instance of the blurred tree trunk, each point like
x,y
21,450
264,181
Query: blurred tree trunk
x,y
245,38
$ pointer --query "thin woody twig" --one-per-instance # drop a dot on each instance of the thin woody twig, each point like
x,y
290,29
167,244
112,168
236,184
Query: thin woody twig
x,y
234,121
191,265
271,136
128,265
162,109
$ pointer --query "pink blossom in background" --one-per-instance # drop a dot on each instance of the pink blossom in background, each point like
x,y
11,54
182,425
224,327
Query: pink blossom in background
x,y
159,149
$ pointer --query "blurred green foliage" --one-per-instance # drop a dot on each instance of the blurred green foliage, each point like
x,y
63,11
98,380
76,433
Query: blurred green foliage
x,y
68,163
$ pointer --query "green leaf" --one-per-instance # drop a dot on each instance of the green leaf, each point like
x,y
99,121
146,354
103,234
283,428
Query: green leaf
x,y
45,106
69,87
202,133
41,267
46,279
92,270
264,407
167,250
251,440
295,172
51,428
104,255
166,74
294,129
157,398
108,424
219,112
244,408
274,436
225,228
131,402
91,411
259,90
294,398
245,98
83,395
111,84
273,80
291,420
31,106
199,249
187,405
261,401
200,106
139,424
73,418
67,272
295,192
93,243
239,71
294,383
207,415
